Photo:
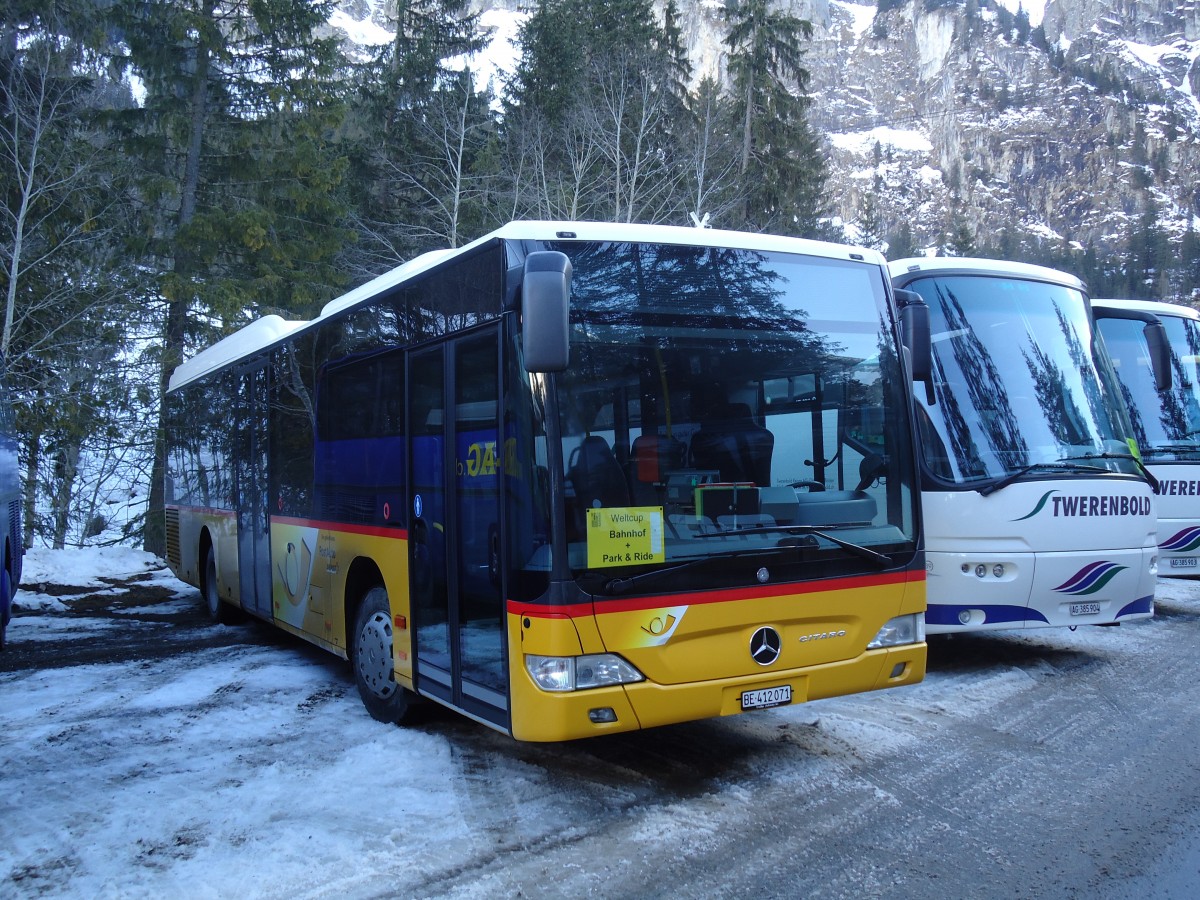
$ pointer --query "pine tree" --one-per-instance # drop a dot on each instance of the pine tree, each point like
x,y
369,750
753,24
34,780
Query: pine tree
x,y
783,172
597,110
1021,25
1189,262
1148,254
404,103
231,139
70,285
565,42
870,217
900,243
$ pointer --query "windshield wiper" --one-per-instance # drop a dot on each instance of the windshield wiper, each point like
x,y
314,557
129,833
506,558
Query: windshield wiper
x,y
857,549
1068,463
1150,479
623,583
1012,477
1162,449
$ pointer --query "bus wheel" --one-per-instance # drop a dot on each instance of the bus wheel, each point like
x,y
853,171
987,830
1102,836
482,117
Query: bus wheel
x,y
374,670
6,593
219,612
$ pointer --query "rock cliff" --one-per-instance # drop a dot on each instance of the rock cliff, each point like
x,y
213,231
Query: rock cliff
x,y
1063,121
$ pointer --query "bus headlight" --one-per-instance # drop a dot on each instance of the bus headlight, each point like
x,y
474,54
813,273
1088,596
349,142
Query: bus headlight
x,y
908,629
577,673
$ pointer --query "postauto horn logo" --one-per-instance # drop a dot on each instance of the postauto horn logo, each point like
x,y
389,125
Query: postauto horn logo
x,y
1090,579
1184,542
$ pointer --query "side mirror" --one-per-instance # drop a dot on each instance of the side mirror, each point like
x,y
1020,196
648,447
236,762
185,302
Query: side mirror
x,y
1160,354
918,341
1157,342
545,302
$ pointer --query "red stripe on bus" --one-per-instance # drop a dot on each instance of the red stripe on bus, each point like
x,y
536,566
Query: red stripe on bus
x,y
731,595
367,530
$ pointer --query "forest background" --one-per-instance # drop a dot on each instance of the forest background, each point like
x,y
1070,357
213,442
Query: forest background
x,y
172,169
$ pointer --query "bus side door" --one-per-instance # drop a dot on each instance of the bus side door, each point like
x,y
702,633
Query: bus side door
x,y
455,525
250,461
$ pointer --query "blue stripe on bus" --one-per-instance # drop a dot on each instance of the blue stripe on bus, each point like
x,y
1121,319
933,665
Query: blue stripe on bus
x,y
1141,605
947,614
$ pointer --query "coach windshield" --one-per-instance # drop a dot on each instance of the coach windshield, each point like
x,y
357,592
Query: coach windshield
x,y
1019,385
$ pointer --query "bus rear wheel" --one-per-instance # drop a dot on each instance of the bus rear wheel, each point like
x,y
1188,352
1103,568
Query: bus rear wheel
x,y
220,613
6,596
374,669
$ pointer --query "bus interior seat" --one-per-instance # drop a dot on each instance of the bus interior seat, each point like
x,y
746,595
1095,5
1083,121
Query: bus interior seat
x,y
596,476
651,458
735,445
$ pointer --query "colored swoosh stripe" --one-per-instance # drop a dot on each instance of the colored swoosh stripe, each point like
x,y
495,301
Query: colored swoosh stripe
x,y
1186,540
1037,509
1090,578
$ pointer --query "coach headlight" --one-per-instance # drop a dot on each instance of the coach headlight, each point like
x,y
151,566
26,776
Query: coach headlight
x,y
577,673
908,629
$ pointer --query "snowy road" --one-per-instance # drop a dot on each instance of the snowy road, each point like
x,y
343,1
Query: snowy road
x,y
145,753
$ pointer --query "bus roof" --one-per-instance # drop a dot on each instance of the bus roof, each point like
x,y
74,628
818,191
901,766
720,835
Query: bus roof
x,y
1157,307
259,333
264,332
959,265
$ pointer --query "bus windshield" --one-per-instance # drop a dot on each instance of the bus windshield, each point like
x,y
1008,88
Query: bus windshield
x,y
1166,424
725,402
1016,383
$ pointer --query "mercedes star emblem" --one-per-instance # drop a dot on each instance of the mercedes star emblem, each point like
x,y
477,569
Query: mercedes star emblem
x,y
765,645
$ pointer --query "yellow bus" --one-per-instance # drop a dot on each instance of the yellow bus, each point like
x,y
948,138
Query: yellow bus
x,y
570,479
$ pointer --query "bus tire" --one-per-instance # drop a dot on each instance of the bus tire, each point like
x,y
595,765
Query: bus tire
x,y
372,659
220,613
6,604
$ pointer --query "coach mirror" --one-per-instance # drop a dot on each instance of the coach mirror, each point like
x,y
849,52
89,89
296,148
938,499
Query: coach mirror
x,y
1158,344
1160,353
545,300
915,330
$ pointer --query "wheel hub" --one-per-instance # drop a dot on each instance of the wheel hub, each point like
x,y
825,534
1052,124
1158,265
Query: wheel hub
x,y
373,656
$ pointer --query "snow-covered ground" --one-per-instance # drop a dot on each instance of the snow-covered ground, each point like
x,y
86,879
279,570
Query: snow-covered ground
x,y
234,761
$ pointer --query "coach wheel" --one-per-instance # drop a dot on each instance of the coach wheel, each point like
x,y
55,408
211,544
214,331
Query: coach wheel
x,y
374,669
6,594
219,612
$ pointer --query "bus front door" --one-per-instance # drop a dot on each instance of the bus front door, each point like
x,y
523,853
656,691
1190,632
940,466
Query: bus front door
x,y
250,430
455,530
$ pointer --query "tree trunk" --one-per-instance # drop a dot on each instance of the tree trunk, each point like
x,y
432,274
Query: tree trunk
x,y
155,536
33,464
66,464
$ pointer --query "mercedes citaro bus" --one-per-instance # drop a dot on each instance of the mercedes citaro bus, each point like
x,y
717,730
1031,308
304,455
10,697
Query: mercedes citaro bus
x,y
571,478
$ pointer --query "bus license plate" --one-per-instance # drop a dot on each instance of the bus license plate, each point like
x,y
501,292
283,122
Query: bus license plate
x,y
1183,562
765,697
1085,609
